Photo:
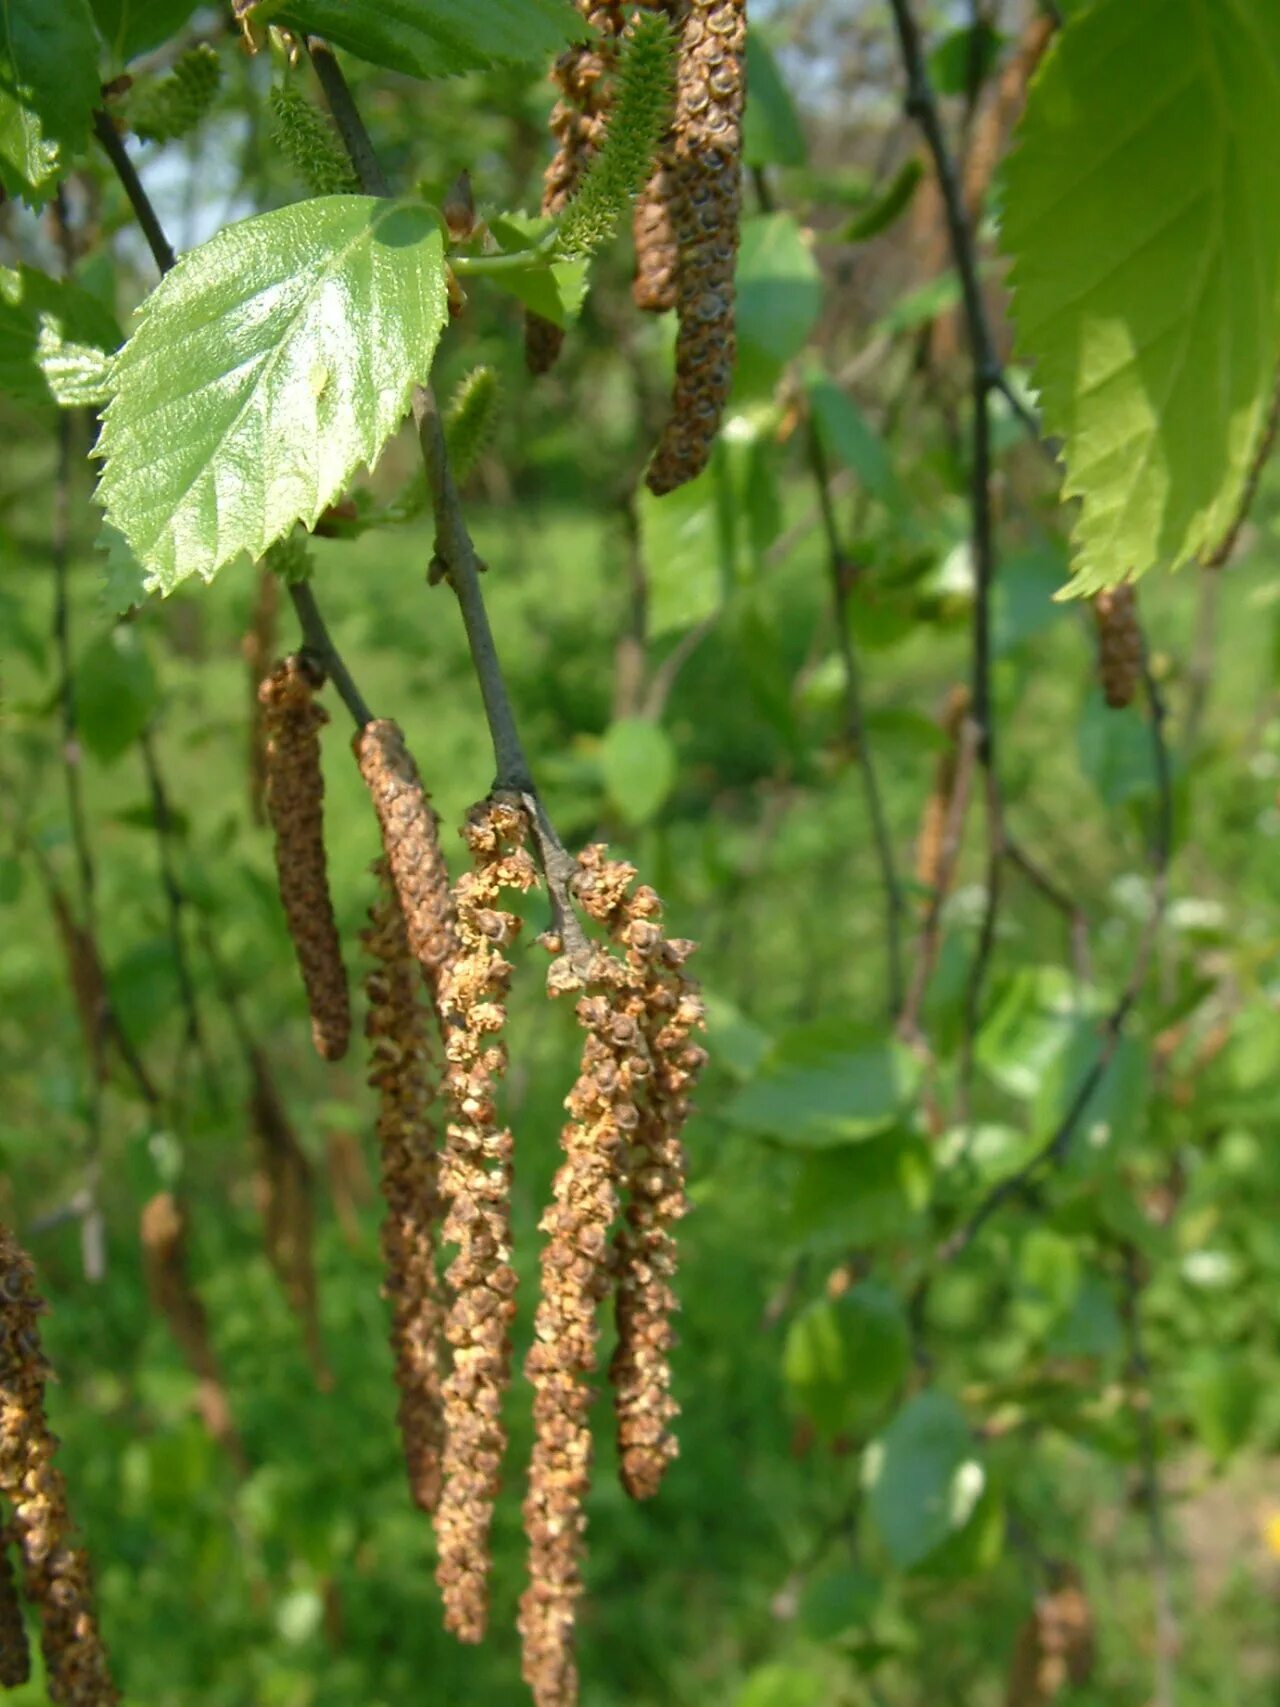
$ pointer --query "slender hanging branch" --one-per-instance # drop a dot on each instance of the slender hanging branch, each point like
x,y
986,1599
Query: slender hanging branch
x,y
455,558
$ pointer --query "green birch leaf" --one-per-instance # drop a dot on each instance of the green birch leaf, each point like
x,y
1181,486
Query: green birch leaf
x,y
265,368
48,90
55,340
1144,225
440,38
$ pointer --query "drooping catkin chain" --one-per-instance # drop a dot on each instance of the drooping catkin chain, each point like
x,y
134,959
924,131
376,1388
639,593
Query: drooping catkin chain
x,y
1119,644
931,842
577,123
295,805
400,1071
575,1271
669,1008
283,1183
705,159
163,1228
475,1180
55,1569
411,839
15,1655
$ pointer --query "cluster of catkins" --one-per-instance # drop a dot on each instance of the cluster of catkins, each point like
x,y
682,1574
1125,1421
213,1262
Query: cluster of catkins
x,y
55,1572
437,995
687,216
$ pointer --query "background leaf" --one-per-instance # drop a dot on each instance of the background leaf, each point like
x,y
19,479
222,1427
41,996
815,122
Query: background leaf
x,y
923,1478
845,1358
638,762
48,90
55,340
288,347
825,1084
1152,312
771,134
116,693
439,38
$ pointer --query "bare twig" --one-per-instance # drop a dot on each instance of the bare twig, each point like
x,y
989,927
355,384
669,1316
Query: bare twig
x,y
456,560
319,643
113,146
176,904
1055,1151
855,721
1167,1640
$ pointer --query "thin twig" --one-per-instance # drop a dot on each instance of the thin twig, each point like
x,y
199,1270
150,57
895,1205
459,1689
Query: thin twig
x,y
71,751
1167,1640
922,105
319,643
456,559
115,150
1055,1151
176,902
855,722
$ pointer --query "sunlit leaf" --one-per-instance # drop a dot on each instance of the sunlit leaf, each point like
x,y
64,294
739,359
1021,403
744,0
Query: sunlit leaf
x,y
266,367
439,38
1146,276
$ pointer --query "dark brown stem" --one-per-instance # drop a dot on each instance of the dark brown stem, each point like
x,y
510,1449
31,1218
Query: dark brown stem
x,y
115,150
317,640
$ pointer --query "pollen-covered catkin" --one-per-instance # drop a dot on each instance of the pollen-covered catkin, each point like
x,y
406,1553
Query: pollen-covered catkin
x,y
411,840
475,1180
657,252
1119,644
295,806
400,1071
575,1275
705,160
15,1656
669,1008
55,1569
578,124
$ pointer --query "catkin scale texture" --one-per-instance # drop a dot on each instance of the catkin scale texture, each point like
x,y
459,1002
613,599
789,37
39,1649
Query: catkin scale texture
x,y
575,1279
400,1071
295,805
704,165
411,840
55,1569
1119,644
475,1180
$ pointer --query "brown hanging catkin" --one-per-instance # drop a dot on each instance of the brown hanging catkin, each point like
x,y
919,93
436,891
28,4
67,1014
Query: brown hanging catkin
x,y
55,1569
1119,644
475,1180
657,252
706,178
577,123
575,1274
399,1056
411,839
292,721
669,1008
15,1655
